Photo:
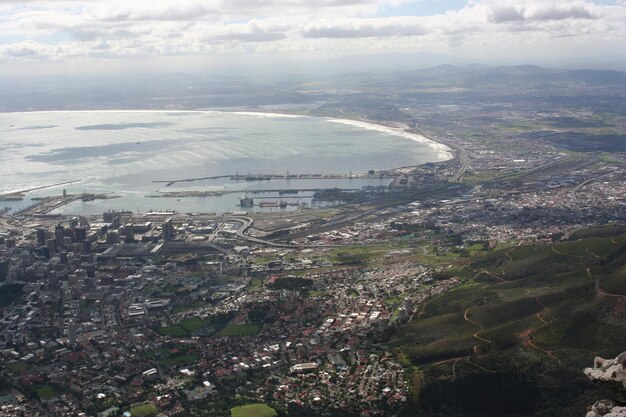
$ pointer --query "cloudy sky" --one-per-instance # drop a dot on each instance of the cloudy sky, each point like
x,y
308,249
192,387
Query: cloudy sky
x,y
38,35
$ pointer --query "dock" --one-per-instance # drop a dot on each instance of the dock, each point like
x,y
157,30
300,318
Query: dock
x,y
21,194
269,177
194,193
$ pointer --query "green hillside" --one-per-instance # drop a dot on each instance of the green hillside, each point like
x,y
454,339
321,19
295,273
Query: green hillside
x,y
513,339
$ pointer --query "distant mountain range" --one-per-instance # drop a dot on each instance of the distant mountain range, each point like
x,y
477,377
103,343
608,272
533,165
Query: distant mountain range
x,y
186,90
479,76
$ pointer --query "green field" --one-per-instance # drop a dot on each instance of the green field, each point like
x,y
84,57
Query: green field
x,y
357,255
180,308
18,367
184,328
255,283
253,410
314,293
45,392
179,360
143,410
240,330
528,316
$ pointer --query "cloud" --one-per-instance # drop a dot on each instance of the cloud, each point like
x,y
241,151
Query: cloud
x,y
365,28
505,12
250,37
26,50
67,30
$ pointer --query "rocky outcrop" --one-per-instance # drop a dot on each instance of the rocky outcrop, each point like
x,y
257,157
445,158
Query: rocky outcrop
x,y
608,370
606,408
611,371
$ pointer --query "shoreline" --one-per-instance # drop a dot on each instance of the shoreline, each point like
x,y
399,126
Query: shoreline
x,y
441,152
444,151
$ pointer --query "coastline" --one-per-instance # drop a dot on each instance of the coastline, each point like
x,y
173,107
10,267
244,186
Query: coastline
x,y
434,151
444,151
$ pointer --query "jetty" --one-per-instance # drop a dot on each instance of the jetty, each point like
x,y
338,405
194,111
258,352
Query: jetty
x,y
268,177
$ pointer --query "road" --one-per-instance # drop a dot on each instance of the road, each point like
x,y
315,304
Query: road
x,y
247,222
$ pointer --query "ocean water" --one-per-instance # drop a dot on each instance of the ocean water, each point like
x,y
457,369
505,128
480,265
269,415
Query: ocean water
x,y
123,152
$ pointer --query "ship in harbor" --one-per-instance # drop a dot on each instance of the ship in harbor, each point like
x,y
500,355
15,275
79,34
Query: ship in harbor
x,y
281,204
246,201
251,177
281,192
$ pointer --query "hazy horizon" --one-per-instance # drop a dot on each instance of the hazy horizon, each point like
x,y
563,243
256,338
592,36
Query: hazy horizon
x,y
332,36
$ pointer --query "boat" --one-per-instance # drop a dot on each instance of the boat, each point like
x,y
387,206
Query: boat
x,y
267,203
281,192
258,178
246,201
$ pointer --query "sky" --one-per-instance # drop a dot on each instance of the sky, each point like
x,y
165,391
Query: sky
x,y
38,36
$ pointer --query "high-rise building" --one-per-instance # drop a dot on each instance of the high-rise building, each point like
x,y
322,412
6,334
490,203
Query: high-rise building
x,y
85,247
4,270
81,234
168,230
52,246
41,237
129,233
72,328
113,237
59,233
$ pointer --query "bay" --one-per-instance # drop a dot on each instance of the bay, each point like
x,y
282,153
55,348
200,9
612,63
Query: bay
x,y
123,152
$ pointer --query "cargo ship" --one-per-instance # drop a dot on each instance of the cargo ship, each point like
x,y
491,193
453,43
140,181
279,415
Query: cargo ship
x,y
246,201
281,204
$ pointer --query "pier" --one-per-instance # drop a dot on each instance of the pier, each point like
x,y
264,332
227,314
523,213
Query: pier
x,y
19,195
269,177
193,193
44,205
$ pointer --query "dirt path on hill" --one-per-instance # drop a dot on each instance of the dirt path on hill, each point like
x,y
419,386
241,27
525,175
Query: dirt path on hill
x,y
599,290
468,360
509,259
558,252
527,340
591,253
538,315
491,274
527,336
475,324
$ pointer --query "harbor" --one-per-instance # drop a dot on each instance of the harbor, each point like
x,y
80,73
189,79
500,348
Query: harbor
x,y
281,192
385,174
21,194
45,205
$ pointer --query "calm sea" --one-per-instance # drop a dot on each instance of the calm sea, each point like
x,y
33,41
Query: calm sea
x,y
125,151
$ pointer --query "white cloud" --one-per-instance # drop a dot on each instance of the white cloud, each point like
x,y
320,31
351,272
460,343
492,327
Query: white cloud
x,y
100,29
365,28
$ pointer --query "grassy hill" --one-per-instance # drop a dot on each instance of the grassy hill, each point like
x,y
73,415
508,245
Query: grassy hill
x,y
513,339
